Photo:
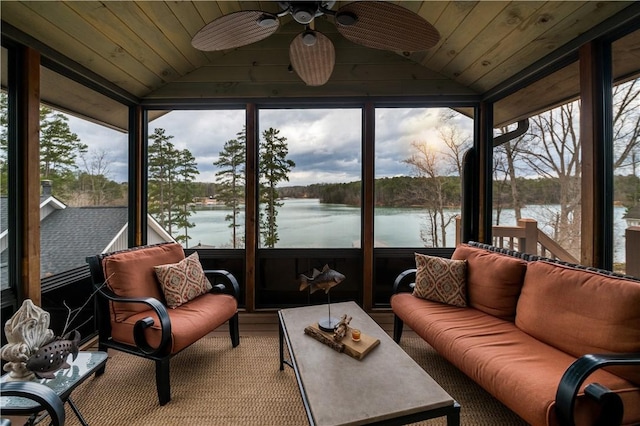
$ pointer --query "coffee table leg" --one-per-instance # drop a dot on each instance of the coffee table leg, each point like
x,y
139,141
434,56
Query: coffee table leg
x,y
281,336
83,422
453,418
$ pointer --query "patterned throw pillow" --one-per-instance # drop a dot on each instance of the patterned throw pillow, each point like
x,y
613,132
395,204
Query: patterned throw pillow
x,y
441,280
182,281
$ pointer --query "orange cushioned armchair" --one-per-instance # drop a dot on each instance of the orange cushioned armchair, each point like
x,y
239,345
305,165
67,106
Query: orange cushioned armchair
x,y
142,315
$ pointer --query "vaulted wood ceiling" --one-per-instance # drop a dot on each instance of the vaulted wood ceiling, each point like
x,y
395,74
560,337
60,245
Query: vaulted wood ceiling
x,y
143,50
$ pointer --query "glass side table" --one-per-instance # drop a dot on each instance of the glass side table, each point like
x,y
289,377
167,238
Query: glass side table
x,y
63,384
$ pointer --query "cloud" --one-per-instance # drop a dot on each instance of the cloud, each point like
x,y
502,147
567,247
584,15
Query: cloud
x,y
325,144
203,133
101,139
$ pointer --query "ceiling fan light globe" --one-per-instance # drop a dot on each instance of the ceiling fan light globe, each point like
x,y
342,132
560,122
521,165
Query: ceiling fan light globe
x,y
346,18
309,38
267,21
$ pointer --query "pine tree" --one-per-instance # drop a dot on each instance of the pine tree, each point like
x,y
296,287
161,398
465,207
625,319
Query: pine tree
x,y
186,170
59,149
171,173
273,168
231,180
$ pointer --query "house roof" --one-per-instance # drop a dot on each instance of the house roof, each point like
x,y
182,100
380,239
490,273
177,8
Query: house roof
x,y
69,235
140,52
4,208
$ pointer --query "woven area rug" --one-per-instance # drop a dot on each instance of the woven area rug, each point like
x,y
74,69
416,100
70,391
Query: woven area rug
x,y
215,384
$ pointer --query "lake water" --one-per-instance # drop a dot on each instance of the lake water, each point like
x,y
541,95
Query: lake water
x,y
306,223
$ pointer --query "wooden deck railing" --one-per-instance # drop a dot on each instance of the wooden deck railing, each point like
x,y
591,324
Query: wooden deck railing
x,y
527,238
632,250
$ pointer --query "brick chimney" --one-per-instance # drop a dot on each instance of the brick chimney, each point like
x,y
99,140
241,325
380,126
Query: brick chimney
x,y
46,188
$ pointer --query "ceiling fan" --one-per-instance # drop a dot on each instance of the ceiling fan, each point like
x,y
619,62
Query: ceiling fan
x,y
375,24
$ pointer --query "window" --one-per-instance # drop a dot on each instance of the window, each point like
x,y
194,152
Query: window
x,y
83,199
310,167
418,164
197,178
626,156
537,176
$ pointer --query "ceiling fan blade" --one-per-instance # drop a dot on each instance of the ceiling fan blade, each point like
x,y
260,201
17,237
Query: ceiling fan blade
x,y
313,63
235,29
386,26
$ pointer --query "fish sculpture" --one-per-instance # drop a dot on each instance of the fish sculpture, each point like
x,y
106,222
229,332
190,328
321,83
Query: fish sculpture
x,y
53,356
321,280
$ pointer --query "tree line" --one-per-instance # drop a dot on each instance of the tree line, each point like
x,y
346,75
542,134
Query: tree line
x,y
78,178
400,191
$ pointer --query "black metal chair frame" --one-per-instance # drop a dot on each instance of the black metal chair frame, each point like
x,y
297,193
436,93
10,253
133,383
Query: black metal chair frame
x,y
47,398
161,354
612,409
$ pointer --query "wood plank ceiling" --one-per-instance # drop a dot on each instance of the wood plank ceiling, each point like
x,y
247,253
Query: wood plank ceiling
x,y
144,48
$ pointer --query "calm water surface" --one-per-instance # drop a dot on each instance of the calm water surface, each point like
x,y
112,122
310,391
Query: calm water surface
x,y
306,223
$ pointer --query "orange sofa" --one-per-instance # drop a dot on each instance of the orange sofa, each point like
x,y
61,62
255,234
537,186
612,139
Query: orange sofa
x,y
529,332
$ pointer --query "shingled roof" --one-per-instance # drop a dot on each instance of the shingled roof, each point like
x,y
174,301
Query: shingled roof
x,y
71,234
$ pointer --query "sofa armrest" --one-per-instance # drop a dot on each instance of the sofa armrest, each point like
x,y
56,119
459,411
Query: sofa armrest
x,y
401,283
230,285
141,325
577,373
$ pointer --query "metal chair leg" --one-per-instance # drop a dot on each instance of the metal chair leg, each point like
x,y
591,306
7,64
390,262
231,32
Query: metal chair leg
x,y
234,330
163,382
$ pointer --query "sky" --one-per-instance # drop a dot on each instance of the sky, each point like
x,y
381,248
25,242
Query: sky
x,y
325,144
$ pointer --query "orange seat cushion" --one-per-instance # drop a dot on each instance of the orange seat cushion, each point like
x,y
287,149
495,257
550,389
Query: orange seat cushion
x,y
494,280
131,274
189,322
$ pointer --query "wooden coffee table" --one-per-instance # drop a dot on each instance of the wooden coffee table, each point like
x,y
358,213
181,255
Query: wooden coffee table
x,y
386,387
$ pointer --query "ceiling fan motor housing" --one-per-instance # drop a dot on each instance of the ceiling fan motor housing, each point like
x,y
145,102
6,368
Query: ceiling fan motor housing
x,y
303,12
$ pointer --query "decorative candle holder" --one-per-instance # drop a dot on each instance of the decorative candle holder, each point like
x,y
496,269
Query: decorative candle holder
x,y
355,334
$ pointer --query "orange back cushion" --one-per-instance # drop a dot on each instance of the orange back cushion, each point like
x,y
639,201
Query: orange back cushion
x,y
494,280
579,311
131,274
